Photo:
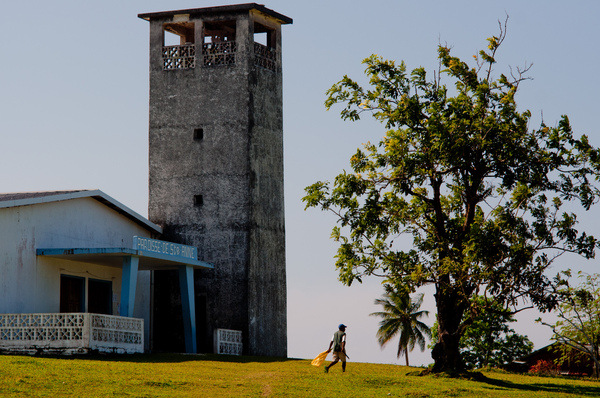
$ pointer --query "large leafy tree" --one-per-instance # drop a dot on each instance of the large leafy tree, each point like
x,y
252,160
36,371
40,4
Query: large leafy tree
x,y
578,325
401,317
460,172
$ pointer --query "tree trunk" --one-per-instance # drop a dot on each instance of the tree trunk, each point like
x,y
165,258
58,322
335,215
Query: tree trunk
x,y
446,353
596,359
406,353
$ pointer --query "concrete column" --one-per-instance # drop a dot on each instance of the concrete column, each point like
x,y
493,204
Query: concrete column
x,y
186,284
128,284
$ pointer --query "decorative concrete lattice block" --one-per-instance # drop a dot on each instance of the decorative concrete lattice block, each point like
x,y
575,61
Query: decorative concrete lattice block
x,y
228,342
70,333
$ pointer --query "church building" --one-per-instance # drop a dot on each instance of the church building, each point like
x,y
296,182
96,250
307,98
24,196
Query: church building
x,y
206,271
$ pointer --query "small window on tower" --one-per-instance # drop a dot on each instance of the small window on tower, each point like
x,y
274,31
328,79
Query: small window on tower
x,y
198,200
198,134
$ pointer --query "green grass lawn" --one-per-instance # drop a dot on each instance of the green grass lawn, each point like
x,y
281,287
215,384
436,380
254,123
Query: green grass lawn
x,y
174,375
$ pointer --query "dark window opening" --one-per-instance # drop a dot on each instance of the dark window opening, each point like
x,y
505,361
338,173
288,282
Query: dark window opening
x,y
99,297
199,134
202,323
218,32
198,200
72,294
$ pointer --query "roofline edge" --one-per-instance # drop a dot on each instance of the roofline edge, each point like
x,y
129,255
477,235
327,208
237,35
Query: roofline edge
x,y
96,194
285,20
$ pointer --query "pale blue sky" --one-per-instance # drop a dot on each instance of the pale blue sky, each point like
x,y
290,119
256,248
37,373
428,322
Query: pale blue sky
x,y
74,113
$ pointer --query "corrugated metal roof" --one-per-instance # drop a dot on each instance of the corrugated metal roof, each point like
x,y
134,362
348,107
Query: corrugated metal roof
x,y
33,195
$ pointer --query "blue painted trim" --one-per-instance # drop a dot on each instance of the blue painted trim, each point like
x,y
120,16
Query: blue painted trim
x,y
106,250
172,260
186,284
128,285
124,251
171,249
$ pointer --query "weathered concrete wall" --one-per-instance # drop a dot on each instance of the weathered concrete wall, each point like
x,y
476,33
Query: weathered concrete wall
x,y
238,169
31,284
266,273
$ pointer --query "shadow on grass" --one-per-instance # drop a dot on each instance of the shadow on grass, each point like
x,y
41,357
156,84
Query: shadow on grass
x,y
550,387
169,358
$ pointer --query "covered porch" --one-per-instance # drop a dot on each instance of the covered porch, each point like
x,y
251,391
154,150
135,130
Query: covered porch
x,y
123,333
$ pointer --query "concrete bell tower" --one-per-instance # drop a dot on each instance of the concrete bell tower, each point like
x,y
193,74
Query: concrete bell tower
x,y
216,169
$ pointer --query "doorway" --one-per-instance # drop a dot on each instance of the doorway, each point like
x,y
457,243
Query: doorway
x,y
72,294
99,296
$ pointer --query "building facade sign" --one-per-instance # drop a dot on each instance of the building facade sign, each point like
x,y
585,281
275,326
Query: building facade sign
x,y
170,249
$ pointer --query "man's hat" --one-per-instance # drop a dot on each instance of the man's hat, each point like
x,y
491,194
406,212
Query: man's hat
x,y
342,326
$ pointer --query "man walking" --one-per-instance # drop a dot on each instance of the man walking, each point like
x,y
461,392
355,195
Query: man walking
x,y
338,343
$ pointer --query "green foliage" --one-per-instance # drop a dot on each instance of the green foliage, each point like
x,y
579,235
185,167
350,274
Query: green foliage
x,y
401,316
458,171
575,361
489,341
578,325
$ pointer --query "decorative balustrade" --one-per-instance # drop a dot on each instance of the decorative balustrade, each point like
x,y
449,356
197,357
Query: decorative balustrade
x,y
70,333
228,342
215,54
222,53
179,57
265,56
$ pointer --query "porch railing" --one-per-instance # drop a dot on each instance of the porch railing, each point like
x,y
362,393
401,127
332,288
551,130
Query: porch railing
x,y
71,333
228,342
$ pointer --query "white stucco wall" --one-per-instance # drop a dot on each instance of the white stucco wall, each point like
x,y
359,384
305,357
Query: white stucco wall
x,y
31,284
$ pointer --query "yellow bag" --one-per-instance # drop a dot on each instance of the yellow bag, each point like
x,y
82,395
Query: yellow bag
x,y
319,359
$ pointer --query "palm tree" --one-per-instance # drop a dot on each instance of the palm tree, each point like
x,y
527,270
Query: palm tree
x,y
401,316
